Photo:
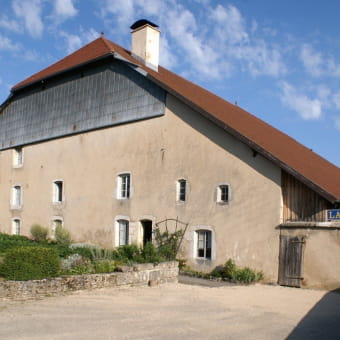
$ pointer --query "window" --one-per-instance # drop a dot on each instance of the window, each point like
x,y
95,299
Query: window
x,y
123,186
16,197
57,222
17,157
122,232
181,190
223,193
16,226
204,244
57,191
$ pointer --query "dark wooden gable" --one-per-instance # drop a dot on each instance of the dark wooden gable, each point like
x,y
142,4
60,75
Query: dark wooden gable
x,y
301,203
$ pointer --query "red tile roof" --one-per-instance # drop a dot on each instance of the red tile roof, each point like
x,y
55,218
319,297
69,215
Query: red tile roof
x,y
307,166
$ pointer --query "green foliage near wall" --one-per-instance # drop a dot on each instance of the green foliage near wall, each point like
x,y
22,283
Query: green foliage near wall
x,y
62,235
14,241
39,233
30,263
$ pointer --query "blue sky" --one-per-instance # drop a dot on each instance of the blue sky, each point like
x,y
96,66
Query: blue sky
x,y
279,60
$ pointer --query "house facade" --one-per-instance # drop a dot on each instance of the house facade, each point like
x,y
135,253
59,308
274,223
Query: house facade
x,y
110,145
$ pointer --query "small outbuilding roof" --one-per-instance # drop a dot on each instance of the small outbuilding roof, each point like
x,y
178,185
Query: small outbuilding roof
x,y
310,168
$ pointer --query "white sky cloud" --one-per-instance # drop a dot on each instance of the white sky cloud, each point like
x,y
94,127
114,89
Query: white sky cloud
x,y
316,64
7,45
9,24
306,107
30,12
336,100
65,8
73,41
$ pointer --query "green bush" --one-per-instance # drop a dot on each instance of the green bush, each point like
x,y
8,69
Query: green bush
x,y
168,243
30,263
62,235
77,265
14,241
151,254
104,266
39,233
244,275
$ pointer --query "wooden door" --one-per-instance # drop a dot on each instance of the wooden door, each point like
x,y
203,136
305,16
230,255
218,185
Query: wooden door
x,y
291,260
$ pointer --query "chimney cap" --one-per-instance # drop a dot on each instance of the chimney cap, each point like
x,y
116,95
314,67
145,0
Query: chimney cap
x,y
142,22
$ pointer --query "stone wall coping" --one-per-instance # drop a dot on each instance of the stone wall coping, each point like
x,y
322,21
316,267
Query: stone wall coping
x,y
139,274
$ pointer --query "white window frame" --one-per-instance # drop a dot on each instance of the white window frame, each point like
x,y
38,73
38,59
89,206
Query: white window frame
x,y
220,193
119,220
16,226
58,191
55,222
16,197
181,185
204,236
194,238
124,186
18,157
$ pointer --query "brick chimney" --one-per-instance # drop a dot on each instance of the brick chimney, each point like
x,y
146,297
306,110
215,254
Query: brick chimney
x,y
145,42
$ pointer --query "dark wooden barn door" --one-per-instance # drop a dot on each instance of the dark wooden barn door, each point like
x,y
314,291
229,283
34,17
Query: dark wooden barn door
x,y
290,261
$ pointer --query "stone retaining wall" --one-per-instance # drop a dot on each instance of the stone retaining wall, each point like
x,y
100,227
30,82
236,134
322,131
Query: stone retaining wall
x,y
141,274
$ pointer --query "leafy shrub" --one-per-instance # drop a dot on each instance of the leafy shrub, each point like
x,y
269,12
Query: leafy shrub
x,y
151,254
62,235
168,243
39,233
128,252
104,266
77,265
14,241
245,275
30,263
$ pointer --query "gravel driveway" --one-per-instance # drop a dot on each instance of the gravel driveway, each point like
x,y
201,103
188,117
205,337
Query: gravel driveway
x,y
176,311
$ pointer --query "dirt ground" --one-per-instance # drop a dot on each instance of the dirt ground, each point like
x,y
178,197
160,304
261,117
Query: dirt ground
x,y
176,311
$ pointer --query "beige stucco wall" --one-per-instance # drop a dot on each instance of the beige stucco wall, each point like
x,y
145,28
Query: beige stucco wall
x,y
157,152
321,260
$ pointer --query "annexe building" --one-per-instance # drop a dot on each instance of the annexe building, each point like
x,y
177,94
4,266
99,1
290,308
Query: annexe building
x,y
109,144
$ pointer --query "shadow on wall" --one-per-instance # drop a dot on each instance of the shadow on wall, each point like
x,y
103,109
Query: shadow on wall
x,y
323,320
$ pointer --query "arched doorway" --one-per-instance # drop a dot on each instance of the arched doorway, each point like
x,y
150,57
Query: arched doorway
x,y
147,231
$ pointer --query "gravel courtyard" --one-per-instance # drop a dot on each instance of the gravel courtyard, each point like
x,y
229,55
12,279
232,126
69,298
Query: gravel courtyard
x,y
176,311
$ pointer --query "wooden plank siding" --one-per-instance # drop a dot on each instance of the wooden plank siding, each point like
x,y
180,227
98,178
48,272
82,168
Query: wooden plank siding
x,y
301,203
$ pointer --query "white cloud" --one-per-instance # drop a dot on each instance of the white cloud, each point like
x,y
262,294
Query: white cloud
x,y
10,24
65,8
210,51
316,64
229,24
30,12
336,100
307,108
7,45
73,41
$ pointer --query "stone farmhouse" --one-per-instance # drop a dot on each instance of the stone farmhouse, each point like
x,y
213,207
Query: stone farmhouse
x,y
110,145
